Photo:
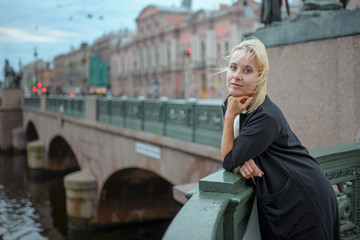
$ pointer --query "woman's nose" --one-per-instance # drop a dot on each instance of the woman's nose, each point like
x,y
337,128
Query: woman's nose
x,y
237,75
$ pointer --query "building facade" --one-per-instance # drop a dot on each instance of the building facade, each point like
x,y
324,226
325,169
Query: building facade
x,y
176,52
76,70
102,50
58,73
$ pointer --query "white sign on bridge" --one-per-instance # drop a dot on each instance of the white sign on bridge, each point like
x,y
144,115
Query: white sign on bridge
x,y
148,150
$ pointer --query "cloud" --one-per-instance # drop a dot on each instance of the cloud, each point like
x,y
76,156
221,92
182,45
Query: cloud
x,y
58,33
17,35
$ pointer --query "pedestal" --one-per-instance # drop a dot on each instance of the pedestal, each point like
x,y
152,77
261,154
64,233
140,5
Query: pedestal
x,y
12,97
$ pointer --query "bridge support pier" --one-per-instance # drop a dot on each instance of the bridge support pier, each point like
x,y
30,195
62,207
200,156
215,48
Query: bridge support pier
x,y
35,155
18,139
81,189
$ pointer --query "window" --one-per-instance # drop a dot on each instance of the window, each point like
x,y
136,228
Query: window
x,y
169,55
157,57
218,49
203,51
149,62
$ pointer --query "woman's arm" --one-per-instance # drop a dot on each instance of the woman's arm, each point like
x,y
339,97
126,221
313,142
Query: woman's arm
x,y
258,133
227,140
236,105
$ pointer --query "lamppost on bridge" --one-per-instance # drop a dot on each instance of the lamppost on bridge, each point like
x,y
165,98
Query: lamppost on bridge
x,y
36,79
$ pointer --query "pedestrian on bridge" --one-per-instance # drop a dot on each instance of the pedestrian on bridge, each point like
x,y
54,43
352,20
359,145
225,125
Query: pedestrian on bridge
x,y
294,198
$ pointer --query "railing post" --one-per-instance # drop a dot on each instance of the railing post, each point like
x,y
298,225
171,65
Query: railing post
x,y
91,107
142,112
192,117
43,103
163,113
123,109
218,209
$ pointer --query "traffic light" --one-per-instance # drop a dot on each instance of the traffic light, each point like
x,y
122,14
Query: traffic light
x,y
188,52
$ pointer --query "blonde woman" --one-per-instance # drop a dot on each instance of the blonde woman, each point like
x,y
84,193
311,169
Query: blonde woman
x,y
295,200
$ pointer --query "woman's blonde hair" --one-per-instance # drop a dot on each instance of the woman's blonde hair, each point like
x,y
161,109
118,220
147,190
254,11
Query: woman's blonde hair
x,y
253,46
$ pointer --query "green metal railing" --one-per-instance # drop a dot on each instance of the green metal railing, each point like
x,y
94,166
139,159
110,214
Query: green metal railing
x,y
220,206
191,120
32,102
74,107
188,120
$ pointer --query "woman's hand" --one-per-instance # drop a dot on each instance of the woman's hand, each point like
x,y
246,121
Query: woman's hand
x,y
250,169
237,105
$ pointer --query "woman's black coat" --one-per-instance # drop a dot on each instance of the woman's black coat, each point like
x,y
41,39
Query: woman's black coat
x,y
295,199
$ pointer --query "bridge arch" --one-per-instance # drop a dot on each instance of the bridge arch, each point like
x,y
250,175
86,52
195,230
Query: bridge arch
x,y
135,194
61,157
31,133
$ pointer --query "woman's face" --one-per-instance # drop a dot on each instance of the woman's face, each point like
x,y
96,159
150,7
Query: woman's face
x,y
242,74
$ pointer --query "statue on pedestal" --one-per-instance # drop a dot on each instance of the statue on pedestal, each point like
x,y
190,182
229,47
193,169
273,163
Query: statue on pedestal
x,y
12,79
271,11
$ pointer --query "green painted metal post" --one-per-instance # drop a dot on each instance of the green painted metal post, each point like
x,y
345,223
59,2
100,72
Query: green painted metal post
x,y
163,112
218,209
192,117
124,106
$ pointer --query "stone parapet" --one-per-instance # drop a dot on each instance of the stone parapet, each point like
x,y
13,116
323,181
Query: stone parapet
x,y
308,27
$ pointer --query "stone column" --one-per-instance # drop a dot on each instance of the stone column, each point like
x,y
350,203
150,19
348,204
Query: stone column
x,y
81,191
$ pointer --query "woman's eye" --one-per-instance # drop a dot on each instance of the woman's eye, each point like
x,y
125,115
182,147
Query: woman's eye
x,y
247,70
233,68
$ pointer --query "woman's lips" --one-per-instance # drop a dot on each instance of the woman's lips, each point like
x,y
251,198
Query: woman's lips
x,y
236,85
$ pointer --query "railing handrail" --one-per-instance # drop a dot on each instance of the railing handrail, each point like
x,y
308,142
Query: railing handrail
x,y
200,217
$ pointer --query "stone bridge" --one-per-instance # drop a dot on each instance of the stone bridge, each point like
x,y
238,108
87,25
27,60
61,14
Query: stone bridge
x,y
132,157
120,144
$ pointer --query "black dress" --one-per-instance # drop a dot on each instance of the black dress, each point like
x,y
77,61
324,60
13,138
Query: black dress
x,y
295,198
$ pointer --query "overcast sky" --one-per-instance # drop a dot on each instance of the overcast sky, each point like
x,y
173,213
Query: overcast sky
x,y
53,26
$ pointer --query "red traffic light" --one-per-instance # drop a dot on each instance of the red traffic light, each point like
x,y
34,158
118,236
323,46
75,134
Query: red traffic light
x,y
188,51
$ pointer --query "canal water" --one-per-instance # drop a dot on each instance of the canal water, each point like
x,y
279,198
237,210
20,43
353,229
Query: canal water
x,y
36,210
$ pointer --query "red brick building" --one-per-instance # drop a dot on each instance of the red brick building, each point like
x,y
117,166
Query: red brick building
x,y
176,50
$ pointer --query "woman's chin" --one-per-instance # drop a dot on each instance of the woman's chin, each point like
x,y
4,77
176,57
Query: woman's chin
x,y
236,94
